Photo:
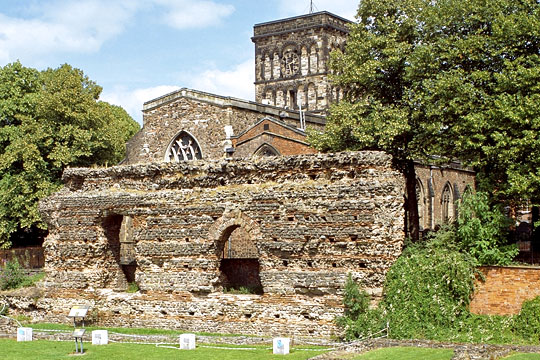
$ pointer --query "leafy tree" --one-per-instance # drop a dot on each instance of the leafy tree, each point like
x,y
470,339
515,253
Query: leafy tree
x,y
376,113
475,84
50,120
457,79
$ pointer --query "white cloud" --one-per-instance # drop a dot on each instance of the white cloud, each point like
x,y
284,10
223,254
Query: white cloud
x,y
343,8
182,14
132,100
63,26
83,26
236,82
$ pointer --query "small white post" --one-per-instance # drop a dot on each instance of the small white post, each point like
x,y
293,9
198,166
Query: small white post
x,y
100,337
187,341
24,334
281,346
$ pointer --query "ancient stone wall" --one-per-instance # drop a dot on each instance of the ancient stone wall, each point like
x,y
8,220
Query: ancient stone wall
x,y
504,289
311,219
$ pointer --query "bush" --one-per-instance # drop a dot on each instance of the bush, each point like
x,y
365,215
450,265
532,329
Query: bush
x,y
12,275
482,231
358,319
428,289
527,322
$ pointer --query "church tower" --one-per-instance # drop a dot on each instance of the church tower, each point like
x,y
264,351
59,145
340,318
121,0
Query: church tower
x,y
291,61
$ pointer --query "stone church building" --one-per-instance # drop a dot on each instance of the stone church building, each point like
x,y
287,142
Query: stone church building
x,y
218,197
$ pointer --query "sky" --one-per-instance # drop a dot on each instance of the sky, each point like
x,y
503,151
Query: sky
x,y
137,50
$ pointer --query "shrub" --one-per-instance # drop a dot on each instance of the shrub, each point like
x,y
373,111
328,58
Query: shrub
x,y
12,275
428,288
482,231
527,322
133,287
358,319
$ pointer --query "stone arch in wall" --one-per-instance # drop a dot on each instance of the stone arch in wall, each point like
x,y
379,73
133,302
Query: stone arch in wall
x,y
447,204
236,237
266,150
118,231
183,147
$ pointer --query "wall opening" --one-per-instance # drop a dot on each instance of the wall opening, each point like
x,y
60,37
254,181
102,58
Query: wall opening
x,y
239,262
119,233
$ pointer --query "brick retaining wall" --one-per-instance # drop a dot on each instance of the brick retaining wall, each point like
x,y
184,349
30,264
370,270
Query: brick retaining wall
x,y
505,289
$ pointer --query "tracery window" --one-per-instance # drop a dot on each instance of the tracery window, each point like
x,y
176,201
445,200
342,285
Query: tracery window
x,y
183,148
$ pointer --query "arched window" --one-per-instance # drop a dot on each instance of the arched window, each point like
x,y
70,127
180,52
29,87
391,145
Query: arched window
x,y
266,150
183,148
421,200
447,204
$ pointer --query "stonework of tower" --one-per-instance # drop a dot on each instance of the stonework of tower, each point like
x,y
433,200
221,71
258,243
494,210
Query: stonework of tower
x,y
291,61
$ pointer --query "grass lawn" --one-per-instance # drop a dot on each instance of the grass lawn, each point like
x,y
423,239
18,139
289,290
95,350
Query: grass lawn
x,y
523,357
407,353
43,350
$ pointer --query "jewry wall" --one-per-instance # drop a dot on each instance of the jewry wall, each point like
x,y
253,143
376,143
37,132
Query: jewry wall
x,y
308,221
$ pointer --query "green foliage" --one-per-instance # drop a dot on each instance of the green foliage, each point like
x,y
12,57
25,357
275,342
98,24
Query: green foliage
x,y
243,290
453,78
50,120
12,275
527,322
428,288
426,296
483,231
358,320
132,287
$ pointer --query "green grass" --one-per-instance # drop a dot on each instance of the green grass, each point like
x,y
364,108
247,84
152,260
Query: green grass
x,y
523,357
130,331
407,353
44,350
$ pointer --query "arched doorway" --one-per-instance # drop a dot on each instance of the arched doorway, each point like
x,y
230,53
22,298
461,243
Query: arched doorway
x,y
237,254
239,262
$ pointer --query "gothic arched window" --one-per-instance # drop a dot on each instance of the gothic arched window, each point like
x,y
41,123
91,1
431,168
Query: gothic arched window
x,y
183,148
421,201
447,204
266,150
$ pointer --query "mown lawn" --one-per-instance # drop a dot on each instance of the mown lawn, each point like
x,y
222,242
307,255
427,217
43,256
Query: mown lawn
x,y
407,353
44,350
523,357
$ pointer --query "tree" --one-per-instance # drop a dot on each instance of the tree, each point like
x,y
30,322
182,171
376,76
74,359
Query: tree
x,y
456,79
376,112
475,79
50,120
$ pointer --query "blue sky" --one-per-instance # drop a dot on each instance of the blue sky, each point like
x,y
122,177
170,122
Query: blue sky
x,y
138,50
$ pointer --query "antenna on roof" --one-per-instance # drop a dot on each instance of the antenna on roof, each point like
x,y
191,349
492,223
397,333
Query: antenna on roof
x,y
312,7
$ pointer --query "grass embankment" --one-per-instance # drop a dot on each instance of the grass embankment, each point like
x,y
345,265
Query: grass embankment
x,y
410,353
